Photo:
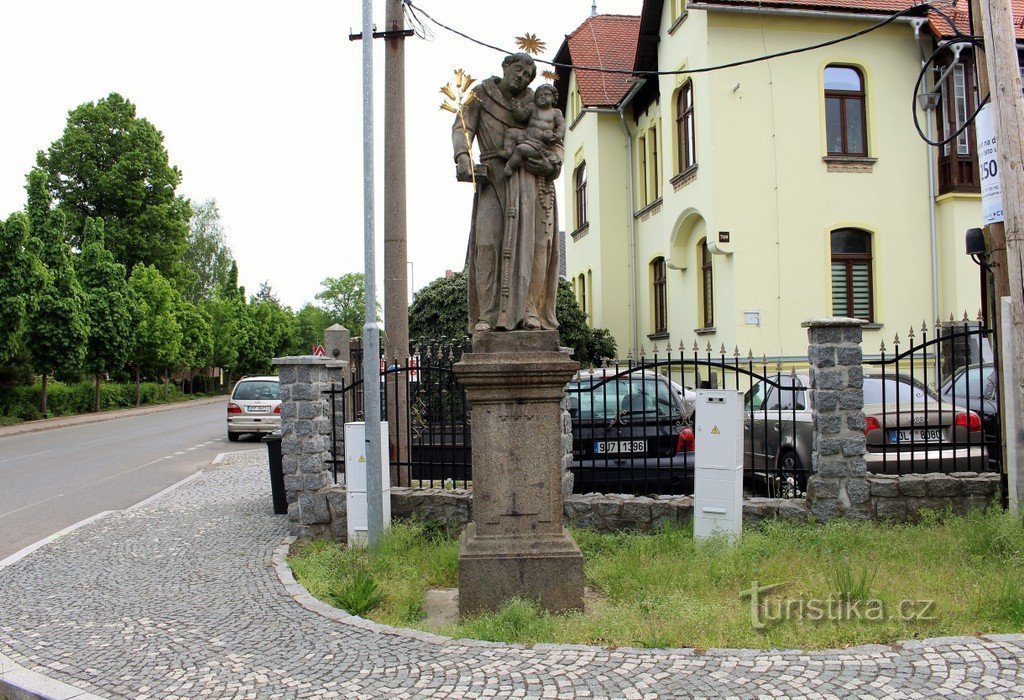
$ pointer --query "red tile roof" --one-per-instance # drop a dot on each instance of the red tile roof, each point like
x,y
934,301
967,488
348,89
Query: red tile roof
x,y
880,7
604,41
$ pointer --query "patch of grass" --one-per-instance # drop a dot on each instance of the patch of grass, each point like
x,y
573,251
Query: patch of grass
x,y
666,589
358,594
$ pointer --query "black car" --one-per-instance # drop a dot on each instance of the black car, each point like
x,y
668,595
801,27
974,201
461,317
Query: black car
x,y
976,388
631,434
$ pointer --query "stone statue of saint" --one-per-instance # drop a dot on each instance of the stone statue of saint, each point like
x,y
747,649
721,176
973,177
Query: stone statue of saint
x,y
513,256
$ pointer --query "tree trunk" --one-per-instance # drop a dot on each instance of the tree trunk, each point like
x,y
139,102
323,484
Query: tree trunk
x,y
138,386
165,385
97,392
42,401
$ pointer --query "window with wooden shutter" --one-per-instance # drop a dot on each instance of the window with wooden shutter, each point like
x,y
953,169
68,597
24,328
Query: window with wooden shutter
x,y
660,295
851,274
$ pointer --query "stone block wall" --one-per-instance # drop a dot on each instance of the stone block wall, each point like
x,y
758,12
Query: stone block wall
x,y
838,487
902,498
306,440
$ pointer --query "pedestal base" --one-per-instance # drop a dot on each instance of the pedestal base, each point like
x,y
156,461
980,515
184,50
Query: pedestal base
x,y
547,569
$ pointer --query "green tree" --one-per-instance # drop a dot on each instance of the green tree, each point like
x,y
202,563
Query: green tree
x,y
112,164
107,305
344,299
440,310
310,323
209,258
158,336
58,328
267,331
225,324
196,336
20,276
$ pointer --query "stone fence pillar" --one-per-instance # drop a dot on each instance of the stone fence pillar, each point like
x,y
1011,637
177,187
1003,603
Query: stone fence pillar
x,y
305,441
838,487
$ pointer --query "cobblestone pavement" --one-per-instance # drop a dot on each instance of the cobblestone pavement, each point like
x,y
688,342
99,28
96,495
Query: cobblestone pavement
x,y
180,598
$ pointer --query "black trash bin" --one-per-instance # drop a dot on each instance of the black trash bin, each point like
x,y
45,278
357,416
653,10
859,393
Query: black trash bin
x,y
273,441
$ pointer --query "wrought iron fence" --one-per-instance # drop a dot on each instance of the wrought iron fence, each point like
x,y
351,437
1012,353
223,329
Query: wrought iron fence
x,y
932,402
633,421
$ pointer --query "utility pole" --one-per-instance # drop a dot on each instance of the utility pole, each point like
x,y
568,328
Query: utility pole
x,y
371,329
396,284
1004,85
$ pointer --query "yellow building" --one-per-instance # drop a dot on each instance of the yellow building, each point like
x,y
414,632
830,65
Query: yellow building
x,y
728,206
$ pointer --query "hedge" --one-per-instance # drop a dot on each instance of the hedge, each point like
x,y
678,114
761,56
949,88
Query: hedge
x,y
22,403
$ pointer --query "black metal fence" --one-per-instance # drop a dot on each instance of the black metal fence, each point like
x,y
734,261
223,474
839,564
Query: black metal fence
x,y
633,422
932,402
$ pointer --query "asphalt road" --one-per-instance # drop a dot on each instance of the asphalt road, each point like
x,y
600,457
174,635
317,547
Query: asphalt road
x,y
56,478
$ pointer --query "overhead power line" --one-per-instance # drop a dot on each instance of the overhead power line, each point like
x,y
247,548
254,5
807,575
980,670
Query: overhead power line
x,y
416,10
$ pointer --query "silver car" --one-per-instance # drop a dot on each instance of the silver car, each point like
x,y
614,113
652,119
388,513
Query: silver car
x,y
908,430
254,407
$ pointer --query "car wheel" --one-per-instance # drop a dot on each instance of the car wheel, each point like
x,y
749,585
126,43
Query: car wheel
x,y
233,437
791,481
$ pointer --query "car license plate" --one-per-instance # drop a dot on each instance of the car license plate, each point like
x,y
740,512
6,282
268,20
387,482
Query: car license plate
x,y
607,447
916,435
259,409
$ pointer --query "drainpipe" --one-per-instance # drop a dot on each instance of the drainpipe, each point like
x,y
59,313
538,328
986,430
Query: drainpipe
x,y
631,220
928,105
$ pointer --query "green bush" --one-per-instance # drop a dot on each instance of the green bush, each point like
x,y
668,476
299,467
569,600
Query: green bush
x,y
22,402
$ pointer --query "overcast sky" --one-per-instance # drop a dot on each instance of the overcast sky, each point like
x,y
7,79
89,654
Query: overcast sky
x,y
260,107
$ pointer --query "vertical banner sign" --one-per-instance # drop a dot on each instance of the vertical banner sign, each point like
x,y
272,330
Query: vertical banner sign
x,y
988,165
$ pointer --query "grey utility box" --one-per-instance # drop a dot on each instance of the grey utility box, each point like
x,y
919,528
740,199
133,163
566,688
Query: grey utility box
x,y
718,478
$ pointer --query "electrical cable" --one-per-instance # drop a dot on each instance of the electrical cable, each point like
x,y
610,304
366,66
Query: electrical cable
x,y
973,41
689,71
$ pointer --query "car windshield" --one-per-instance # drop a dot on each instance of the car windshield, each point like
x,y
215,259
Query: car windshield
x,y
258,391
608,400
877,390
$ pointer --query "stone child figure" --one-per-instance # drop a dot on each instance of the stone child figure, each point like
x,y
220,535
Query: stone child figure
x,y
512,261
545,127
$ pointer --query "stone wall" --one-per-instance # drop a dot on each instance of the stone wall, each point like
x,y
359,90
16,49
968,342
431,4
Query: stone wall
x,y
893,498
837,487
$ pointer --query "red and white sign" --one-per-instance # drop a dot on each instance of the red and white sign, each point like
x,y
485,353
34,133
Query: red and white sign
x,y
318,350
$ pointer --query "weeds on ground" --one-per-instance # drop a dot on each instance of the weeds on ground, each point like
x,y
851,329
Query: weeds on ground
x,y
666,589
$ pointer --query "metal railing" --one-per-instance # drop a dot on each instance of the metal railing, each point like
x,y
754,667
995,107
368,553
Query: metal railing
x,y
931,405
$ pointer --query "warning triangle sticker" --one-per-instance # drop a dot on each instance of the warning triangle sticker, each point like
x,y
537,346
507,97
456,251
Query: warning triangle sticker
x,y
363,459
716,431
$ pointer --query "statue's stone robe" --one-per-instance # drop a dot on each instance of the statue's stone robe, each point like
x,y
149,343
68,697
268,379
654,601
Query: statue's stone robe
x,y
512,262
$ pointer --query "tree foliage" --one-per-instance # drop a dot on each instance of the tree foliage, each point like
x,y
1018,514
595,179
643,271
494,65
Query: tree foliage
x,y
112,164
20,275
310,323
440,310
107,303
196,334
58,328
158,336
209,258
344,299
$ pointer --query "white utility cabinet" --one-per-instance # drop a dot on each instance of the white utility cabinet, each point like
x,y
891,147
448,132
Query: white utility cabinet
x,y
355,481
718,478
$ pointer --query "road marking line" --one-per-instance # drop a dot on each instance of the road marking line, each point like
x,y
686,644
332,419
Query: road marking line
x,y
34,454
179,453
32,505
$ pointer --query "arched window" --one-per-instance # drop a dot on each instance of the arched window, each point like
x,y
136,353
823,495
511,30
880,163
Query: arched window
x,y
845,120
583,293
707,286
580,179
851,274
659,296
686,144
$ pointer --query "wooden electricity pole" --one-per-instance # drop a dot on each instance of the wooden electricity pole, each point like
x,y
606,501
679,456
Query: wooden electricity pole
x,y
1002,74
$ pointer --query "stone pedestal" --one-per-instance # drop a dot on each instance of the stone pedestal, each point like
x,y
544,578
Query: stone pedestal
x,y
516,545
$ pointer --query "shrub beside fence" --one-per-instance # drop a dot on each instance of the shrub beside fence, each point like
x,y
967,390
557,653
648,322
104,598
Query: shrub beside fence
x,y
22,402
